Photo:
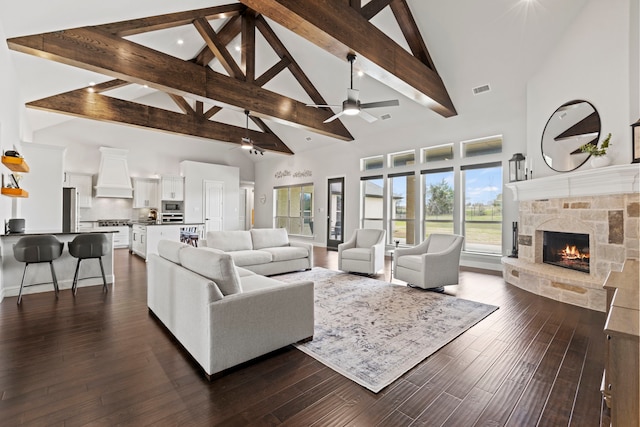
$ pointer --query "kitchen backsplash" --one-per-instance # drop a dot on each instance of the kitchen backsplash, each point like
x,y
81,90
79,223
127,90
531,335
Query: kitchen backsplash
x,y
108,208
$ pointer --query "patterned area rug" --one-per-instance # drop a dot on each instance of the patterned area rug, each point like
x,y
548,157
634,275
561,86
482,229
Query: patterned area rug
x,y
372,332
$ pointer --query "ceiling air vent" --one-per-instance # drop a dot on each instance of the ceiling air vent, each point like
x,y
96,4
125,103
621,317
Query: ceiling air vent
x,y
481,89
385,116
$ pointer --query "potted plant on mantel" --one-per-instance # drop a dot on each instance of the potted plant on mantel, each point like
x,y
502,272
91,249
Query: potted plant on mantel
x,y
598,152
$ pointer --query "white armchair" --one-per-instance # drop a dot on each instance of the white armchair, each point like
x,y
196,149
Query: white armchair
x,y
363,252
432,264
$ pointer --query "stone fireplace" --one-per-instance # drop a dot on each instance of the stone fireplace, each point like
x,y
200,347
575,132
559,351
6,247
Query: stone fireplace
x,y
599,210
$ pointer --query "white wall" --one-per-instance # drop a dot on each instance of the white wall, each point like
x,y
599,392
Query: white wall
x,y
194,175
10,121
595,62
43,209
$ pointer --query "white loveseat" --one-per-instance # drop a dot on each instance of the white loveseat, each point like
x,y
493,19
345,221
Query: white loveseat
x,y
223,315
266,251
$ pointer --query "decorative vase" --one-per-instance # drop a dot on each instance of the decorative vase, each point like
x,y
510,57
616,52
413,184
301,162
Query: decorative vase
x,y
600,161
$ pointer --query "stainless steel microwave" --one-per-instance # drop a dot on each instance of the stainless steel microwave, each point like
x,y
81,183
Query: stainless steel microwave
x,y
169,207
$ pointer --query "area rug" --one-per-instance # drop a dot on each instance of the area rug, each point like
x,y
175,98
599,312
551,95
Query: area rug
x,y
372,332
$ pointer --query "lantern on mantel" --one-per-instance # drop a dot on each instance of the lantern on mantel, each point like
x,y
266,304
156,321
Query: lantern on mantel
x,y
517,168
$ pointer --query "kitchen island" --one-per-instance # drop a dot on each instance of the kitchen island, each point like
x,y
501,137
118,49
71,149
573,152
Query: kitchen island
x,y
145,236
40,274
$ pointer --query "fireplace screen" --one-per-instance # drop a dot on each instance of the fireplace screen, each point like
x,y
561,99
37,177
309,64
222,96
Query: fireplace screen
x,y
568,250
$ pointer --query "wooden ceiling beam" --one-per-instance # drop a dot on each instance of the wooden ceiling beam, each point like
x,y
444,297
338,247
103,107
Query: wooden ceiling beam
x,y
90,105
218,48
248,50
295,69
109,85
374,7
171,20
228,32
272,72
340,30
182,104
98,51
411,33
211,112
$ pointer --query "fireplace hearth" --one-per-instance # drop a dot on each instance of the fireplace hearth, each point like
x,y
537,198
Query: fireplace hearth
x,y
568,250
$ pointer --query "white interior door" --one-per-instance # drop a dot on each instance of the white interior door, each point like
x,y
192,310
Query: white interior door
x,y
213,205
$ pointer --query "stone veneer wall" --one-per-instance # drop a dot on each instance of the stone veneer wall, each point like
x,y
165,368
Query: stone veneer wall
x,y
613,223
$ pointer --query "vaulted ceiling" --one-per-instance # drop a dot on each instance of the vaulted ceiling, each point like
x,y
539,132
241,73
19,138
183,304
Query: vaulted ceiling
x,y
300,58
340,28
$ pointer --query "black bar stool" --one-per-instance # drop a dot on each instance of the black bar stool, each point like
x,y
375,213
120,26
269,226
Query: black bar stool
x,y
86,246
36,249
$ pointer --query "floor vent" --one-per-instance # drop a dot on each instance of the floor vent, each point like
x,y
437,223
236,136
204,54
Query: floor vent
x,y
481,89
385,117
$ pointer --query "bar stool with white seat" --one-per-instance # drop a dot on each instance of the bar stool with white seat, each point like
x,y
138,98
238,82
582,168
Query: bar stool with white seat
x,y
37,249
88,246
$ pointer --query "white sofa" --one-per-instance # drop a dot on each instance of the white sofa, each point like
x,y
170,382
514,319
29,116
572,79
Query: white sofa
x,y
266,251
223,315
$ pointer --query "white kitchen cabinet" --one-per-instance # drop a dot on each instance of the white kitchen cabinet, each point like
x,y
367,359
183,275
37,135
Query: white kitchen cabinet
x,y
83,184
145,193
155,233
172,188
139,240
145,238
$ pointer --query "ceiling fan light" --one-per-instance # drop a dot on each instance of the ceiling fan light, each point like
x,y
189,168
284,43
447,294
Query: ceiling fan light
x,y
246,144
351,110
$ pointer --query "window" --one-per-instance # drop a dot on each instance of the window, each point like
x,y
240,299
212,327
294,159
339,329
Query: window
x,y
482,146
483,207
371,163
434,154
403,208
294,209
404,158
438,196
372,199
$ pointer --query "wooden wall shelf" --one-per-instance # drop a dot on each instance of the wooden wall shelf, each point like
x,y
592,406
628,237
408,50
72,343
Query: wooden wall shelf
x,y
14,192
16,164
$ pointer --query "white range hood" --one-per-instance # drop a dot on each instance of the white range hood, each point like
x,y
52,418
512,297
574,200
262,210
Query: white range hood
x,y
113,176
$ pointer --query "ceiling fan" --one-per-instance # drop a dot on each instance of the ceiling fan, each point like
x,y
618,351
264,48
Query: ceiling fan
x,y
352,105
247,143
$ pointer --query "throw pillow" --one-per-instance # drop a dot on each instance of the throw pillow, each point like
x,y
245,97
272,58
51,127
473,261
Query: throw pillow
x,y
214,265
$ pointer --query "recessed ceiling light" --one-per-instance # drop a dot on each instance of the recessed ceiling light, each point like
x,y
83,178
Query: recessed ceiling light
x,y
145,86
92,83
180,41
360,73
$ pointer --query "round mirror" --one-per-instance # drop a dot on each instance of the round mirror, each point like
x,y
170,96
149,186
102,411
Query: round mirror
x,y
571,126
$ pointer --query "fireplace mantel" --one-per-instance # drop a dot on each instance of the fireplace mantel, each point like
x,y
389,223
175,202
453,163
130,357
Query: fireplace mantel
x,y
618,179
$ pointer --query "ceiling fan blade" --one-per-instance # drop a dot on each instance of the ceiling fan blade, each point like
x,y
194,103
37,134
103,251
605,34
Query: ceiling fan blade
x,y
390,103
332,118
353,95
368,117
323,105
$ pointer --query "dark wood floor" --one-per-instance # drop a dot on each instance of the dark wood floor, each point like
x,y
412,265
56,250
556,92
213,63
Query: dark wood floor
x,y
103,360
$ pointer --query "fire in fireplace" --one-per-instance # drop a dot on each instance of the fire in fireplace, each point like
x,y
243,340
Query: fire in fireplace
x,y
568,250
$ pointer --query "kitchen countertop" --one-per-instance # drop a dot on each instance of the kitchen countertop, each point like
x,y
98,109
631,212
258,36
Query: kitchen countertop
x,y
28,233
166,223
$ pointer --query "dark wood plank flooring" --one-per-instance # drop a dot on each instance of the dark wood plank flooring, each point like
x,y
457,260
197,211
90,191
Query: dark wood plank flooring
x,y
102,359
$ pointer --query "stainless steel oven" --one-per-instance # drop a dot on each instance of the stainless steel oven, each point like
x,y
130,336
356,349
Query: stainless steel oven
x,y
172,217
